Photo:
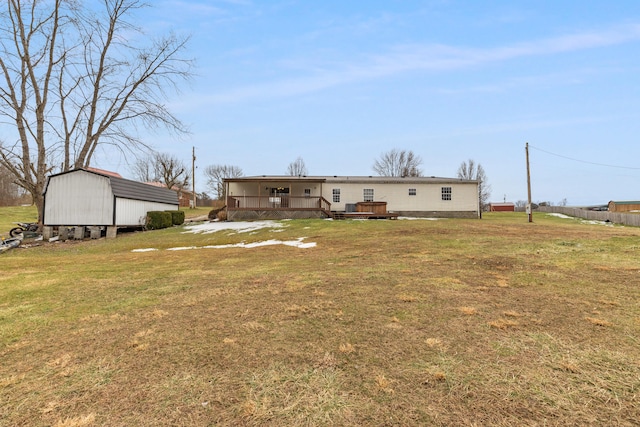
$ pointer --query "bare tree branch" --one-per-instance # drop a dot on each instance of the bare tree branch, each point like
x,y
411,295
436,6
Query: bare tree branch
x,y
472,171
216,175
398,163
297,168
75,77
164,168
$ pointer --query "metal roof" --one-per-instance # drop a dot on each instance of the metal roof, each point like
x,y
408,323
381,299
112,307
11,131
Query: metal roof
x,y
354,179
127,189
134,190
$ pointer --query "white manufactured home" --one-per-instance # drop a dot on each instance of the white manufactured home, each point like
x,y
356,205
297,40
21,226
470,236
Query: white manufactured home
x,y
331,196
88,198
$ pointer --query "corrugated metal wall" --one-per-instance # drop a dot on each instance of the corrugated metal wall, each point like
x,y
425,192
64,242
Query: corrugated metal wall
x,y
85,198
79,198
133,212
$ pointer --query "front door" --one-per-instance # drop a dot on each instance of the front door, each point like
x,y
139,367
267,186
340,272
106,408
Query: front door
x,y
281,194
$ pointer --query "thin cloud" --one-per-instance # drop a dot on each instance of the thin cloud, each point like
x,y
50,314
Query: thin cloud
x,y
416,57
523,125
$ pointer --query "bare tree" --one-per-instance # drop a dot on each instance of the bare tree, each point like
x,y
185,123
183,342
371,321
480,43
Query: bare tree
x,y
471,170
162,167
144,169
74,79
216,175
398,163
297,168
10,193
172,171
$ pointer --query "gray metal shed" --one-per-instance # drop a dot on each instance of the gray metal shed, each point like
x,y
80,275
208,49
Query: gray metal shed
x,y
87,198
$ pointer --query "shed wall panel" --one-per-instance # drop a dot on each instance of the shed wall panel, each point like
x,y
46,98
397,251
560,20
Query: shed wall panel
x,y
134,212
80,198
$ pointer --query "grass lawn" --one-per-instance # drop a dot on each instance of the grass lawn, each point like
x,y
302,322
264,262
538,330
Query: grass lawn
x,y
492,322
10,215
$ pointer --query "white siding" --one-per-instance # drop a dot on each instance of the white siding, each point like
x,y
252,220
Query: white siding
x,y
464,197
79,198
134,212
427,198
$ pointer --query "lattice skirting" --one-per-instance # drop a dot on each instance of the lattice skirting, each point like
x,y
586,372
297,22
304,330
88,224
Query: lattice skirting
x,y
233,215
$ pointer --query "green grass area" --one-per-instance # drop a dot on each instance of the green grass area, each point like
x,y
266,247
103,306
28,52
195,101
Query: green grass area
x,y
10,215
452,322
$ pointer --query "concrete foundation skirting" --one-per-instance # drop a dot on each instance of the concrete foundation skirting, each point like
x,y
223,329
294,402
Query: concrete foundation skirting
x,y
252,215
439,214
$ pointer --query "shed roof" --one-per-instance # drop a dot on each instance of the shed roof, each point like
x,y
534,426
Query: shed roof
x,y
134,190
625,202
104,172
127,189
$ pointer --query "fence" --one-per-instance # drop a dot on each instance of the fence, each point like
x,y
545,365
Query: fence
x,y
632,219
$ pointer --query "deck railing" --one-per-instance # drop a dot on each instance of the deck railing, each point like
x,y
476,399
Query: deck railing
x,y
278,203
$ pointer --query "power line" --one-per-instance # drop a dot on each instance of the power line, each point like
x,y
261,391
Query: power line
x,y
583,161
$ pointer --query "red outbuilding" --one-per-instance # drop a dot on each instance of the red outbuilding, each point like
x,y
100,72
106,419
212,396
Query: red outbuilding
x,y
502,207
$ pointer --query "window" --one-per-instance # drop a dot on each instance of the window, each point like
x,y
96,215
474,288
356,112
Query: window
x,y
412,191
368,194
446,193
336,195
307,192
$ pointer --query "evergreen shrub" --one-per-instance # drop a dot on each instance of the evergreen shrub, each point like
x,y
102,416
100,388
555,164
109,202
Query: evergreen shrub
x,y
177,217
158,219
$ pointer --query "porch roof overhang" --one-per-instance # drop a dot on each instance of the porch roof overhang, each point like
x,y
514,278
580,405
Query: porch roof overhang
x,y
276,178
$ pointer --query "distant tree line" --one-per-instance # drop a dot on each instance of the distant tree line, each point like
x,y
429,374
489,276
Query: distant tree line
x,y
11,194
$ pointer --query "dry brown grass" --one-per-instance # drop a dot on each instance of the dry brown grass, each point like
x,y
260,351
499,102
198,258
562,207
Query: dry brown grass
x,y
495,322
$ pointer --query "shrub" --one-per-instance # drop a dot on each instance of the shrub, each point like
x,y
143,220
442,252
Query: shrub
x,y
158,219
177,217
214,213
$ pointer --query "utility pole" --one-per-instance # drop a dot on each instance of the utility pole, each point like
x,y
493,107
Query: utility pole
x,y
193,175
528,185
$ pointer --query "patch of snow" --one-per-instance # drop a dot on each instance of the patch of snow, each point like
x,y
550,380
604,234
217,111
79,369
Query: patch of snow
x,y
238,227
559,215
582,221
294,243
411,218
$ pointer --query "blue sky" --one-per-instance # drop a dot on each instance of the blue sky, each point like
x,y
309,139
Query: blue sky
x,y
338,83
